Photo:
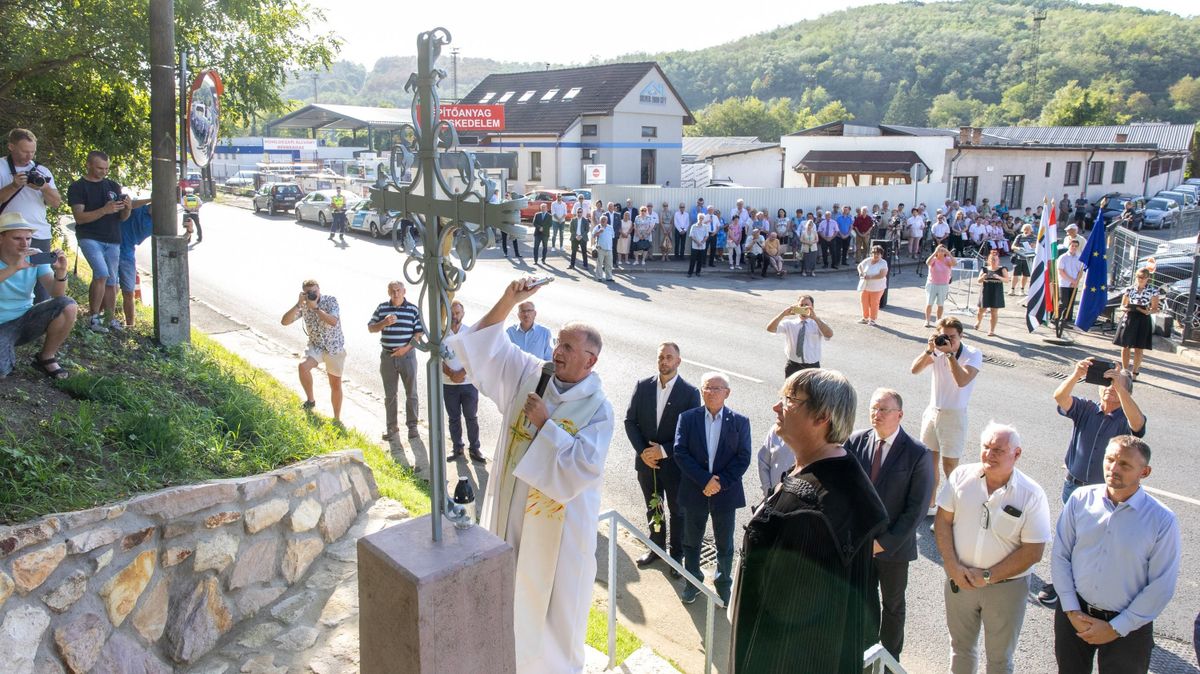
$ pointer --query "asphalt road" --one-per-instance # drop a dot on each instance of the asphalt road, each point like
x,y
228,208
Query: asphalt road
x,y
250,266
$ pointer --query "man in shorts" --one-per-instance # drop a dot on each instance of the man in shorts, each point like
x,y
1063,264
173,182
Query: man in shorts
x,y
326,343
954,366
99,207
22,321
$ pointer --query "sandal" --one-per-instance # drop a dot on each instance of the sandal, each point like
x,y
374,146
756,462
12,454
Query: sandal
x,y
58,373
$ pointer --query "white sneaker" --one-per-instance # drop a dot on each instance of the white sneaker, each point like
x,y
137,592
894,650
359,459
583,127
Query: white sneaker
x,y
863,321
116,325
96,324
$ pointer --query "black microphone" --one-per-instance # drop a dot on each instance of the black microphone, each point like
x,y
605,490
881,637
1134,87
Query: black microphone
x,y
547,373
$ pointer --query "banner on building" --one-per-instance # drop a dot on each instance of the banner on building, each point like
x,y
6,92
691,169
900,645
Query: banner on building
x,y
474,117
289,144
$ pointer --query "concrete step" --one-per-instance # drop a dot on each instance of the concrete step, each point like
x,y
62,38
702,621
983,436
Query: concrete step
x,y
641,661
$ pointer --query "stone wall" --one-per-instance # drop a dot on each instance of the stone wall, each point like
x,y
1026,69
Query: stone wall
x,y
156,581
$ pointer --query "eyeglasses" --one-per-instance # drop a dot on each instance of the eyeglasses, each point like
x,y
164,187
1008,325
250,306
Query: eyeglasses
x,y
793,402
885,410
713,389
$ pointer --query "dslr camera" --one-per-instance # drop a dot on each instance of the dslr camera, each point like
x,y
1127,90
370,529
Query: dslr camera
x,y
941,340
35,178
311,295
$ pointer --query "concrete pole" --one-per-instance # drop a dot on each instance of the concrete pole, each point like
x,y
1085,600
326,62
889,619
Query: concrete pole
x,y
172,322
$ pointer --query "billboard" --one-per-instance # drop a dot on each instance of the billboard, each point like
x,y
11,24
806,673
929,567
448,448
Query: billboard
x,y
289,144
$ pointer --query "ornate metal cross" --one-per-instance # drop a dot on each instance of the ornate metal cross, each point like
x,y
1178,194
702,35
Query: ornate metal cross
x,y
443,192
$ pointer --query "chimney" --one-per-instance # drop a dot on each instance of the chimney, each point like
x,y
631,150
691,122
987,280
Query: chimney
x,y
1122,137
964,135
976,135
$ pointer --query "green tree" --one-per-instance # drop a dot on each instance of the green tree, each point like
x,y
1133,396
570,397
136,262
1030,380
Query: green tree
x,y
948,110
907,107
76,73
1185,98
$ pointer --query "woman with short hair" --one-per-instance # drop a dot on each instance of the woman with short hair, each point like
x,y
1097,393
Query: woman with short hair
x,y
1136,332
872,281
643,232
992,278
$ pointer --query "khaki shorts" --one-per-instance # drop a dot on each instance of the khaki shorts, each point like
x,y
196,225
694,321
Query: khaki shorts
x,y
944,431
334,362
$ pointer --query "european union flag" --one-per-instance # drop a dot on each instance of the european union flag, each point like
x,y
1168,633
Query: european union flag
x,y
1095,293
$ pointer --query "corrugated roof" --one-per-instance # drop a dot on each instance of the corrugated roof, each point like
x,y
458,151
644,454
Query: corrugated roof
x,y
327,116
858,161
1168,137
702,147
601,88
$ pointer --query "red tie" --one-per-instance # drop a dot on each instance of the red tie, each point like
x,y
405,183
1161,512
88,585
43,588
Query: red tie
x,y
877,462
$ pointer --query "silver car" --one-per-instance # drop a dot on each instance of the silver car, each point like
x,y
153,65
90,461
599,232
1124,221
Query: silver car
x,y
1161,213
318,206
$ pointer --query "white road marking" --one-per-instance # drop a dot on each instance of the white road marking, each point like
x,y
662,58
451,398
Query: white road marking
x,y
714,368
1159,492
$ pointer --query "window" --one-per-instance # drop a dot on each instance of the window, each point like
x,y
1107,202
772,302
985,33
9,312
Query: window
x,y
487,97
571,94
1118,176
1047,169
1072,176
1011,191
965,188
535,165
1096,173
830,180
507,95
549,95
526,96
589,129
649,132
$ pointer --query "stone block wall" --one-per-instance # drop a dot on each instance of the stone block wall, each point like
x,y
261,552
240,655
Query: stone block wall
x,y
154,582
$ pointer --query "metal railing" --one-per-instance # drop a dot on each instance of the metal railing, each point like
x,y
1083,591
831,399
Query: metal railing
x,y
876,659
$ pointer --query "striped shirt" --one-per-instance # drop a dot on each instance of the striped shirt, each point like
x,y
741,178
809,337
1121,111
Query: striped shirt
x,y
407,325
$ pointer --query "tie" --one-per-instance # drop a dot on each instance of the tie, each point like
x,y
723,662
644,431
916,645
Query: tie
x,y
877,462
800,339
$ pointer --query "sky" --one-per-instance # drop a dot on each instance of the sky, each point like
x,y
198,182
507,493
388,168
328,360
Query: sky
x,y
546,33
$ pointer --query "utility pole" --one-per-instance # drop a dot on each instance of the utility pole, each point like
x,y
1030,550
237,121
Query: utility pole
x,y
314,79
1038,17
454,72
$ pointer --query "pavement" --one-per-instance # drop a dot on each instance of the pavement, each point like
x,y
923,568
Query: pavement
x,y
249,268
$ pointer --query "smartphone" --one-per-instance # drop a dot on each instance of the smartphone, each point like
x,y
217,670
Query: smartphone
x,y
803,311
538,281
43,258
1095,372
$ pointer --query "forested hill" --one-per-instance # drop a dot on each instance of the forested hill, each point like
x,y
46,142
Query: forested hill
x,y
888,62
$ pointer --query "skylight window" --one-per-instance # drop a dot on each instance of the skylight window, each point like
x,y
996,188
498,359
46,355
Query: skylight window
x,y
507,95
571,94
549,95
526,96
487,97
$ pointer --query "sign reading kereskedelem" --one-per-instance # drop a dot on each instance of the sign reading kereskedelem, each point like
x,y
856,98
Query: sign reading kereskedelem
x,y
474,117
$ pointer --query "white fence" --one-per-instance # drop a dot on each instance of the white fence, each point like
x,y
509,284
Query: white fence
x,y
774,198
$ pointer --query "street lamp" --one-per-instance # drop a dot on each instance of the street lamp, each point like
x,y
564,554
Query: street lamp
x,y
450,214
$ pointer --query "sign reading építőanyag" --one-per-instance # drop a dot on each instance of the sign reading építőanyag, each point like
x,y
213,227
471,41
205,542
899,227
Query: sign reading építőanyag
x,y
474,117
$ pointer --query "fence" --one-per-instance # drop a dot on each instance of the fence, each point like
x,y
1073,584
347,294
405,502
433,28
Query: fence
x,y
774,198
876,659
1175,271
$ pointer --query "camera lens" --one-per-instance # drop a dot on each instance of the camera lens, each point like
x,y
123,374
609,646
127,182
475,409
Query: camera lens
x,y
312,295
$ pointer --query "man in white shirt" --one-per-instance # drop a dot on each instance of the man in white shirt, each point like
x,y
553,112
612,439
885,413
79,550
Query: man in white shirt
x,y
976,231
916,230
955,366
827,232
940,231
992,526
27,187
558,212
698,240
1070,272
602,243
803,334
681,221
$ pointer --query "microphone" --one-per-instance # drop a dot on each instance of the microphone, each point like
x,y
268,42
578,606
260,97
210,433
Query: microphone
x,y
547,373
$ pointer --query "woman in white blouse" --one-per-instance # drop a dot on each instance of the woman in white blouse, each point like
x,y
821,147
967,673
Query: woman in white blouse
x,y
872,281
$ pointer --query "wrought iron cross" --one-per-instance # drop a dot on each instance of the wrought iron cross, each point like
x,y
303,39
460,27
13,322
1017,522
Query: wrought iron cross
x,y
443,192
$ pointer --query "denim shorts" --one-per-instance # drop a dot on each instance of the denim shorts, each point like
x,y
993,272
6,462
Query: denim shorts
x,y
127,273
103,259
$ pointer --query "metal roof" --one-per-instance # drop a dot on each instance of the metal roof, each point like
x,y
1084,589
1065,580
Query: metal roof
x,y
1167,137
702,147
327,116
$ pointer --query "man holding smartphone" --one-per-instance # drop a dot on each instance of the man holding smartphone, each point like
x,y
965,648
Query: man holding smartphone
x,y
21,320
803,334
99,208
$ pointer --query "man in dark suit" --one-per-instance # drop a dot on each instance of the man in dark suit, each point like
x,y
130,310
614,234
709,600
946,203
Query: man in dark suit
x,y
541,232
901,468
579,230
712,449
650,424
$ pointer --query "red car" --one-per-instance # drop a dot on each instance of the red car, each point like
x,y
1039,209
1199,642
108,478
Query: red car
x,y
538,197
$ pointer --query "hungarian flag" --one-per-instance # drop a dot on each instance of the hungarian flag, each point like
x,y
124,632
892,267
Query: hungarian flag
x,y
1040,301
1095,293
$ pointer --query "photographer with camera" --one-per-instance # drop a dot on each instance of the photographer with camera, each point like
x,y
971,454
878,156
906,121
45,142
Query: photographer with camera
x,y
326,343
26,187
944,423
803,333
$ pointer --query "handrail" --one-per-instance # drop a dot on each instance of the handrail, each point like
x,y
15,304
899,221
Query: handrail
x,y
876,659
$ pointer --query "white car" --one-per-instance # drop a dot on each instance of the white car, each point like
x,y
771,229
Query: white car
x,y
364,218
318,206
241,179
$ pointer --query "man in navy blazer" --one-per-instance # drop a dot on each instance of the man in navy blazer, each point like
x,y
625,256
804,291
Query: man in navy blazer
x,y
542,221
901,468
712,449
650,424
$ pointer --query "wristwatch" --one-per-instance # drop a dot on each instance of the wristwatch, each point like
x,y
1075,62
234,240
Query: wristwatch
x,y
987,576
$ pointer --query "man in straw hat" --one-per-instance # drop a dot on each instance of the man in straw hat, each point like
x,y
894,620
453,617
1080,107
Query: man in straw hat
x,y
22,321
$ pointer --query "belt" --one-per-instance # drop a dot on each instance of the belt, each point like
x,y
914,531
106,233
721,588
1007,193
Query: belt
x,y
1077,483
1100,613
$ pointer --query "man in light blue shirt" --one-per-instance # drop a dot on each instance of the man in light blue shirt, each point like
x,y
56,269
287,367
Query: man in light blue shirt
x,y
1115,565
845,220
529,337
21,320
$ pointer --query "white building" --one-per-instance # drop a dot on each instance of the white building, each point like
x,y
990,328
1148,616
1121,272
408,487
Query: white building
x,y
624,117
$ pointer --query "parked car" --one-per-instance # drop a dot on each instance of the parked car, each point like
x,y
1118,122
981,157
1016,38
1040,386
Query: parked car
x,y
536,198
363,217
275,197
241,179
1186,200
318,206
1114,209
583,193
1161,213
192,180
1168,269
1175,303
1193,190
1192,181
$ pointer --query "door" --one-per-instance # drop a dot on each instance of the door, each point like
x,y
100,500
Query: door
x,y
649,158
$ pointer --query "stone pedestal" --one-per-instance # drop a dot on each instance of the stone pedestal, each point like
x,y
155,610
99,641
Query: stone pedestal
x,y
172,310
428,607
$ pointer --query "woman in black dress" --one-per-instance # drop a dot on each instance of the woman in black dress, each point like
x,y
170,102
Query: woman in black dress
x,y
802,594
1136,332
992,278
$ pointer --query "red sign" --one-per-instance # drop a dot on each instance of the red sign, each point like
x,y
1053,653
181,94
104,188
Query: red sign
x,y
474,117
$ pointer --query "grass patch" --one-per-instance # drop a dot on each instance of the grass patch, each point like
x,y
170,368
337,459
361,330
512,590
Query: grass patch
x,y
597,635
135,417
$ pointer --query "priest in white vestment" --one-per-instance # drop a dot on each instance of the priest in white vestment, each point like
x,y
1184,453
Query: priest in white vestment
x,y
544,494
